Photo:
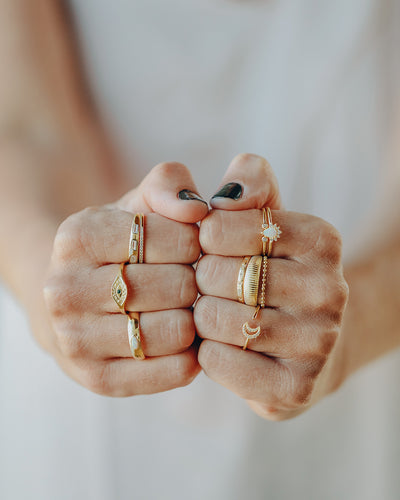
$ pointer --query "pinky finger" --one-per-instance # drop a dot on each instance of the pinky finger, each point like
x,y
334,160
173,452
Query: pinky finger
x,y
268,382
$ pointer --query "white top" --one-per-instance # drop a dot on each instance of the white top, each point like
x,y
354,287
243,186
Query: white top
x,y
313,87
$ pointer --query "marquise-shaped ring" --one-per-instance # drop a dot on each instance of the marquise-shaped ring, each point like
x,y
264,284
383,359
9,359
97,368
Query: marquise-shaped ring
x,y
119,290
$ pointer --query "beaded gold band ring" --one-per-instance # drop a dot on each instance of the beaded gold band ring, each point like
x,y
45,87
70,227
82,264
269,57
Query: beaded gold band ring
x,y
270,232
264,268
136,240
119,290
135,343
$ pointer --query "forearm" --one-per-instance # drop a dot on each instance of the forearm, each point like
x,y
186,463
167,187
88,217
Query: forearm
x,y
372,318
53,156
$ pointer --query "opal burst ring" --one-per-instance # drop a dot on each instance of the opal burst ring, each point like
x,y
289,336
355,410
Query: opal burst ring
x,y
270,232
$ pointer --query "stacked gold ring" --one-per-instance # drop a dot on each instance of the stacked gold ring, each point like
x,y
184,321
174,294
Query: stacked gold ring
x,y
251,268
119,289
270,232
136,240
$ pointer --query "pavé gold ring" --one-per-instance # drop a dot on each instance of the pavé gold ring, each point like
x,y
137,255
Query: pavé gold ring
x,y
136,240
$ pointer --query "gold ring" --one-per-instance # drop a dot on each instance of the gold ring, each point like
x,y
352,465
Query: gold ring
x,y
135,342
136,240
270,232
252,280
242,272
249,332
119,290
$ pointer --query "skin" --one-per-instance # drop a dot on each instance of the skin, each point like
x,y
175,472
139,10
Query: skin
x,y
59,257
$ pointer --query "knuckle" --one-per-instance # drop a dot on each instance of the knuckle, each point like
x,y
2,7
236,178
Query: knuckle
x,y
211,231
72,237
297,390
258,163
333,299
60,295
187,292
186,370
329,243
326,343
205,315
206,272
302,392
97,378
183,331
341,294
67,239
188,242
165,170
70,339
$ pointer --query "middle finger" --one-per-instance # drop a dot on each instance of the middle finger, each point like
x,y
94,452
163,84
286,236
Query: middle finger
x,y
286,281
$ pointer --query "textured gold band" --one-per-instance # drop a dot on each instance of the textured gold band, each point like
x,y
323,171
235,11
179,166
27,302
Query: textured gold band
x,y
240,280
252,280
135,342
119,290
136,240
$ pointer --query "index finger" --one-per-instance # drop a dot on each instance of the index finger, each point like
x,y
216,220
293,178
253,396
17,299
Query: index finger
x,y
101,236
238,233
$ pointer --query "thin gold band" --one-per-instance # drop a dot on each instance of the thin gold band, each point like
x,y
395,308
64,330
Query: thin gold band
x,y
264,224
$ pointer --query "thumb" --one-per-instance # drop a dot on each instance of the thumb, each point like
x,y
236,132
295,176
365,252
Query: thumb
x,y
170,191
248,183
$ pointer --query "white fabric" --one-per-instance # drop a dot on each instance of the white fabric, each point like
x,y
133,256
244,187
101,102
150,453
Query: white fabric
x,y
313,87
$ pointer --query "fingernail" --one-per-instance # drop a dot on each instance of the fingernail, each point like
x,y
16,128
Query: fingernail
x,y
186,194
231,190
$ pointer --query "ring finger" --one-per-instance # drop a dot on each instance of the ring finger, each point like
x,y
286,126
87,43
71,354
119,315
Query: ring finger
x,y
282,335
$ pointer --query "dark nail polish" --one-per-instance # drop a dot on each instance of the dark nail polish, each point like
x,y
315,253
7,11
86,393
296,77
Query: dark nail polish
x,y
186,194
231,190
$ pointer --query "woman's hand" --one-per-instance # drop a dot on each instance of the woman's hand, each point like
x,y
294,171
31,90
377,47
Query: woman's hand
x,y
89,334
293,363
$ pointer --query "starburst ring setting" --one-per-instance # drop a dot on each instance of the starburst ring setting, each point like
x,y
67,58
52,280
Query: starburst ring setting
x,y
270,232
